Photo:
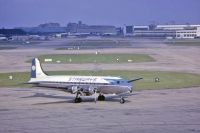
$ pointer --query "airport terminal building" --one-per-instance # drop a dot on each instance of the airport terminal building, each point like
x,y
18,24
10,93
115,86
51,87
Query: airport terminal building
x,y
49,30
83,29
163,31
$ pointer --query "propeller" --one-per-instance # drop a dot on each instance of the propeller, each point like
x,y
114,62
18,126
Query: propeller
x,y
95,95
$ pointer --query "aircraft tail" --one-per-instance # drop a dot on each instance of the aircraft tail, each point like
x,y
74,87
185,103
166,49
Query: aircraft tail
x,y
36,69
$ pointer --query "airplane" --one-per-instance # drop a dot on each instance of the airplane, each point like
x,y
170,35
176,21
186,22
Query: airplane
x,y
82,85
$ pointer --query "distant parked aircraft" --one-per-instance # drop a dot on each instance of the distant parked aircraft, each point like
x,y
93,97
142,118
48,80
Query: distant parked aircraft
x,y
82,85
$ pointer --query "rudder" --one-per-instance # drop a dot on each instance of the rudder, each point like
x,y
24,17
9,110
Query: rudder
x,y
36,69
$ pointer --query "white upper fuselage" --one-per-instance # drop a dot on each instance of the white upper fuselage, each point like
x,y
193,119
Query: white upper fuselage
x,y
102,84
74,79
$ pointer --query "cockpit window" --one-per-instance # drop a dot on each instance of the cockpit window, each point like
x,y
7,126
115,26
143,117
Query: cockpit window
x,y
117,81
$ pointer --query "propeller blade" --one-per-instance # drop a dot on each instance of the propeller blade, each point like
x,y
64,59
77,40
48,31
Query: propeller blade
x,y
132,80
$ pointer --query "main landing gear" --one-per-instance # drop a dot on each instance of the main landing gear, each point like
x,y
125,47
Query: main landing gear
x,y
101,98
78,99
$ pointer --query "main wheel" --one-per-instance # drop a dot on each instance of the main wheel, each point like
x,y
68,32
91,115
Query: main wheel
x,y
101,98
78,100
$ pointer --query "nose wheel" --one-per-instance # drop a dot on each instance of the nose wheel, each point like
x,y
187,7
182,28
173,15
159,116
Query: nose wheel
x,y
122,100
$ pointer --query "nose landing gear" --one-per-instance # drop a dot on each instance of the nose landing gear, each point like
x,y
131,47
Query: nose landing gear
x,y
122,100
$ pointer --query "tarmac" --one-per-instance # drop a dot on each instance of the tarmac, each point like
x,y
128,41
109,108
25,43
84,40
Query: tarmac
x,y
33,110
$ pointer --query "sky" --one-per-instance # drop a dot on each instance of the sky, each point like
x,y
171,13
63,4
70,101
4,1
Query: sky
x,y
27,13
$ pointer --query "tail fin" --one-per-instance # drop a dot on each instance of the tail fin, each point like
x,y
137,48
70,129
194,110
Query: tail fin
x,y
36,69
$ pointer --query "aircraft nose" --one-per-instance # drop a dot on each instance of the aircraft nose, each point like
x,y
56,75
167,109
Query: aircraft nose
x,y
131,89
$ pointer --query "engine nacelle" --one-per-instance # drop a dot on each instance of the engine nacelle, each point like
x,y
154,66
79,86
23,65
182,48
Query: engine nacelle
x,y
91,90
84,90
74,89
88,90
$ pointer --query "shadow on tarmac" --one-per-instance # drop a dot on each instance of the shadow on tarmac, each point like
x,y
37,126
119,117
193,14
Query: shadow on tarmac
x,y
70,99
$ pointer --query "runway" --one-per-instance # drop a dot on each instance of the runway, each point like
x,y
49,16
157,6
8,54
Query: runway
x,y
32,110
178,59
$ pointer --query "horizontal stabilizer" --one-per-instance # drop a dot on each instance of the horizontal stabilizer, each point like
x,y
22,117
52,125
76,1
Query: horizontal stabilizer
x,y
132,80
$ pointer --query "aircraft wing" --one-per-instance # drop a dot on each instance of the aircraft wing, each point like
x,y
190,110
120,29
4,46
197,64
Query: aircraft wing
x,y
124,95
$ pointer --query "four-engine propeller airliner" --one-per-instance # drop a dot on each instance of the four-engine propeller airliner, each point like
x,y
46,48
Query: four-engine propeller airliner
x,y
82,85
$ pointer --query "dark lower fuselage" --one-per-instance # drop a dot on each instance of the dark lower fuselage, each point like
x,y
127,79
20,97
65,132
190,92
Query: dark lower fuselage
x,y
85,88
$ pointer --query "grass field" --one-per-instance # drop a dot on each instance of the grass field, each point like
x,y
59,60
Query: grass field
x,y
183,42
18,43
108,42
168,80
94,44
96,58
7,48
7,43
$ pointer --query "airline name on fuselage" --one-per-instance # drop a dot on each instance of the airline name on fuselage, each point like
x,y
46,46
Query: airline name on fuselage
x,y
76,79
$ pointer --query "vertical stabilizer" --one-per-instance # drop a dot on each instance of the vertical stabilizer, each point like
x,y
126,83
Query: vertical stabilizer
x,y
36,69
